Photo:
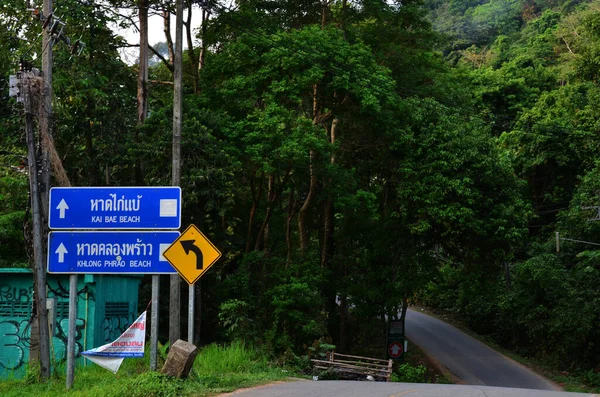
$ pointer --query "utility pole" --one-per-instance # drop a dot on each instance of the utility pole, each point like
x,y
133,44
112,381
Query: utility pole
x,y
142,97
46,108
37,89
30,88
142,93
45,122
175,289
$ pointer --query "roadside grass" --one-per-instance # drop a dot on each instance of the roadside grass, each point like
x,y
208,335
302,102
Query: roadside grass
x,y
217,369
570,382
417,358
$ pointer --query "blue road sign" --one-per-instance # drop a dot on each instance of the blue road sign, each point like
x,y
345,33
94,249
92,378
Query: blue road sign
x,y
114,252
157,207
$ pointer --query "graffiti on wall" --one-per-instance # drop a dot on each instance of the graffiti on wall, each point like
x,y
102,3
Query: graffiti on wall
x,y
15,325
14,294
114,326
16,306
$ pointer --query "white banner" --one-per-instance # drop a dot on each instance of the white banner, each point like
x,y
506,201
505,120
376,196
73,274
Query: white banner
x,y
130,344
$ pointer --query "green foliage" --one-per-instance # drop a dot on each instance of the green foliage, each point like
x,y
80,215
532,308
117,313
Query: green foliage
x,y
344,127
592,377
152,384
535,316
459,292
234,317
410,374
12,247
320,349
237,357
556,137
32,375
217,369
460,191
574,221
544,298
14,198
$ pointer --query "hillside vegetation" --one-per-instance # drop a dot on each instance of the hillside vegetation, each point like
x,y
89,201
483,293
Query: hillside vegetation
x,y
350,158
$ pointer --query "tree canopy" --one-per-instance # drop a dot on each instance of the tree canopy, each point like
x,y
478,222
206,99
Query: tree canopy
x,y
349,158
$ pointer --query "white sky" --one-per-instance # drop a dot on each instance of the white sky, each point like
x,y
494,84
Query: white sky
x,y
155,33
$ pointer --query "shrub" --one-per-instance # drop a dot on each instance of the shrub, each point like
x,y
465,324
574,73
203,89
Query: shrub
x,y
410,374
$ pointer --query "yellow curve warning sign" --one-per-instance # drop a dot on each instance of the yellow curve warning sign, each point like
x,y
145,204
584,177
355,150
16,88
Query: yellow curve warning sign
x,y
192,254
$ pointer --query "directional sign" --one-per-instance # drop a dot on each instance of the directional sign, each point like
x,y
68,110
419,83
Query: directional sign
x,y
157,207
192,254
114,252
396,328
395,349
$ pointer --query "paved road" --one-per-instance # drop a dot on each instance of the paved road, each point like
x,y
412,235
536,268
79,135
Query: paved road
x,y
383,389
467,358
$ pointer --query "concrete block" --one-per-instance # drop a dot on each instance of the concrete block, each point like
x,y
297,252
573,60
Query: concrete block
x,y
180,359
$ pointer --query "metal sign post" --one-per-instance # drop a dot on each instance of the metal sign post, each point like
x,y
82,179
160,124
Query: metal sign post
x,y
191,302
154,323
71,336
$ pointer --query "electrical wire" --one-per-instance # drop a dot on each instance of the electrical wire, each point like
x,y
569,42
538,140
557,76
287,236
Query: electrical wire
x,y
579,241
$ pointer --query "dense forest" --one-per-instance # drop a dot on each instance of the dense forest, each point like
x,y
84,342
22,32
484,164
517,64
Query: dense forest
x,y
350,158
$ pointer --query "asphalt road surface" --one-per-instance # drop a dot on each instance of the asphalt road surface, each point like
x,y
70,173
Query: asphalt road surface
x,y
391,389
468,359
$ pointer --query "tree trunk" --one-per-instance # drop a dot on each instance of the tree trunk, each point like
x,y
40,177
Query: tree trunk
x,y
288,227
344,10
324,10
142,90
343,342
302,230
256,196
328,218
404,310
166,14
507,277
205,16
89,130
267,238
190,49
271,197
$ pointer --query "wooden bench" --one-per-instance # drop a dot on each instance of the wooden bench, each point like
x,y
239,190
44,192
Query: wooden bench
x,y
355,367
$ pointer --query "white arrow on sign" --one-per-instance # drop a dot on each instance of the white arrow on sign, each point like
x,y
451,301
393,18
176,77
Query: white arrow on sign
x,y
62,207
61,251
395,350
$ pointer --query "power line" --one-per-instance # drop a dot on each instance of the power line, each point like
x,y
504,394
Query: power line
x,y
579,241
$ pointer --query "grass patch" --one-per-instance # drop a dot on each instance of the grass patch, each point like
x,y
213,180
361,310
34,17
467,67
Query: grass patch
x,y
217,369
416,358
226,368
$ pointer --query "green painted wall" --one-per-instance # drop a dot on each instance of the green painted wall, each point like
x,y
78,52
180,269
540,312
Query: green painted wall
x,y
106,306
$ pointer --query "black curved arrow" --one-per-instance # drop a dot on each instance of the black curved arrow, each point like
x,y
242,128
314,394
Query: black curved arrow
x,y
188,245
